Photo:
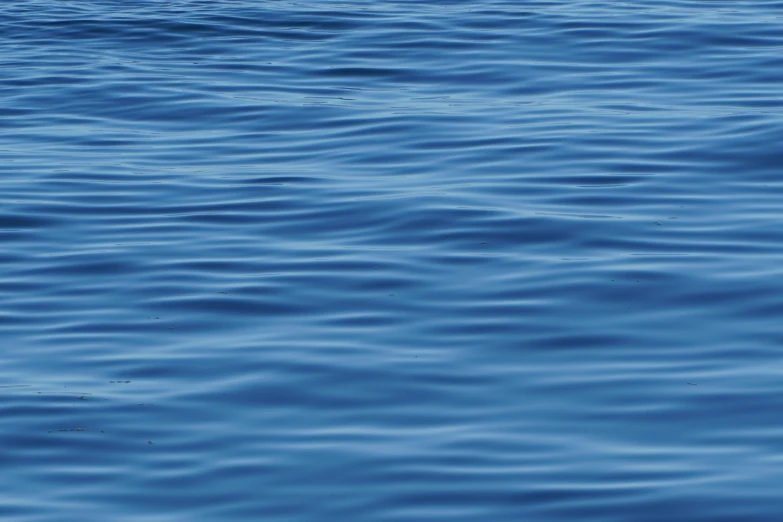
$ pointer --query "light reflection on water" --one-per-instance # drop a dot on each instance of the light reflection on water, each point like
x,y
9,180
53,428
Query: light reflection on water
x,y
313,261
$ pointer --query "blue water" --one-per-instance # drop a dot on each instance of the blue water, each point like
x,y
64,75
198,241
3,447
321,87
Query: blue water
x,y
391,261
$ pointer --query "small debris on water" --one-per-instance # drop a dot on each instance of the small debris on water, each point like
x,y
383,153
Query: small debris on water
x,y
71,429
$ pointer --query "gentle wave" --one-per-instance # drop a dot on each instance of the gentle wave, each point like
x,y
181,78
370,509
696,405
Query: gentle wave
x,y
390,261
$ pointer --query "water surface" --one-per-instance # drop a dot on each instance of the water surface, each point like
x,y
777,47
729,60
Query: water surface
x,y
391,261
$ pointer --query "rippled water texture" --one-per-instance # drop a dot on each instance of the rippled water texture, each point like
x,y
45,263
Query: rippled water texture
x,y
391,261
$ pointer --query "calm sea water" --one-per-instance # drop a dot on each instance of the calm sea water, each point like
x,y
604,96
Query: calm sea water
x,y
391,261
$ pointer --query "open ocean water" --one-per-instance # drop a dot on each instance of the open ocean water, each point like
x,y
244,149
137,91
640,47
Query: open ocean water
x,y
391,261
